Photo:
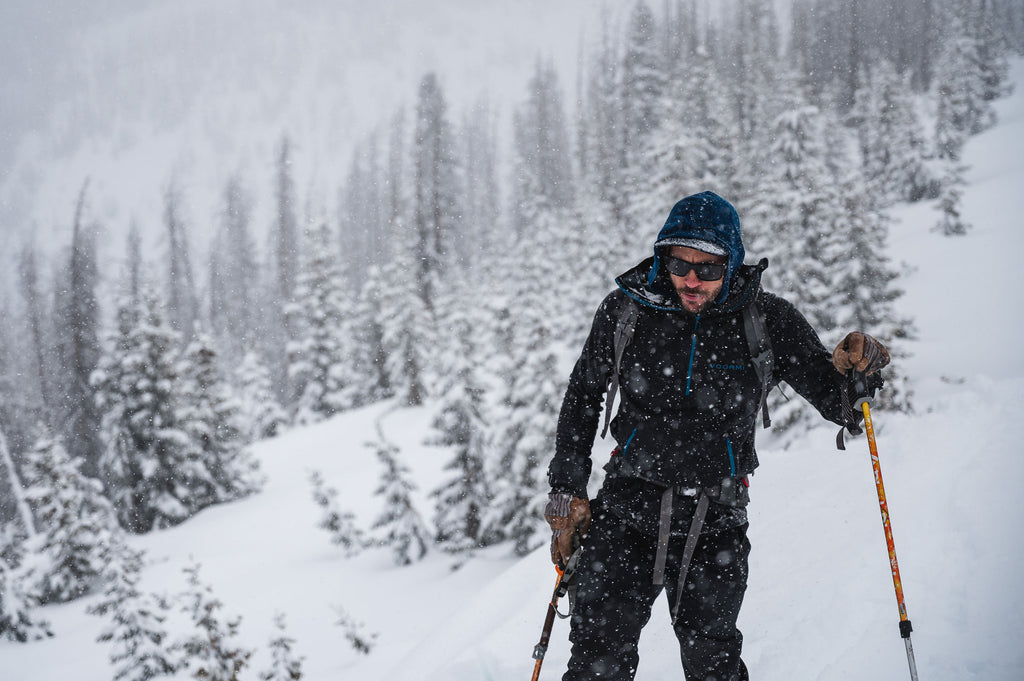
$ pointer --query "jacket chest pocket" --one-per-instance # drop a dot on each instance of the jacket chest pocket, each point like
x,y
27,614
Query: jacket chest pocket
x,y
722,376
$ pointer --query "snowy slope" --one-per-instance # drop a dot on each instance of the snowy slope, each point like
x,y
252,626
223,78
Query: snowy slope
x,y
820,604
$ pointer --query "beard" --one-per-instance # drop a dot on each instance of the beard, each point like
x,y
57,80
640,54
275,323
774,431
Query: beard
x,y
696,299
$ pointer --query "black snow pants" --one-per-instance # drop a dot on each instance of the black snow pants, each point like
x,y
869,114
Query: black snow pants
x,y
615,595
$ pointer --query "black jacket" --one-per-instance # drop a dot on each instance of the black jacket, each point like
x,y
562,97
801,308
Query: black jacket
x,y
688,392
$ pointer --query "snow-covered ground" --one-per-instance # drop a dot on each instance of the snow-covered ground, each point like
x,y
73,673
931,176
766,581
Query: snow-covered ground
x,y
820,604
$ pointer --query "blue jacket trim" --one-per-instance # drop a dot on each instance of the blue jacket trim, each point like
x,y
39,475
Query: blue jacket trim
x,y
631,436
693,353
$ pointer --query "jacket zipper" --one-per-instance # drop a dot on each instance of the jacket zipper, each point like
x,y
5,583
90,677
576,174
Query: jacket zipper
x,y
629,441
693,352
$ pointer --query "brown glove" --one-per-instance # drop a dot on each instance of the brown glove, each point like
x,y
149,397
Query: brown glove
x,y
566,515
860,352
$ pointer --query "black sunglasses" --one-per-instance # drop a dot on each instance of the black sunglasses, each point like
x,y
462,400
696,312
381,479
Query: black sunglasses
x,y
706,271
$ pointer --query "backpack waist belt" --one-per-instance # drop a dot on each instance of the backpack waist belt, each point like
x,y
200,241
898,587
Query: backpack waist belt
x,y
704,496
692,535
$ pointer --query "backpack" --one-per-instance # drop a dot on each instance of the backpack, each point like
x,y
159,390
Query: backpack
x,y
758,342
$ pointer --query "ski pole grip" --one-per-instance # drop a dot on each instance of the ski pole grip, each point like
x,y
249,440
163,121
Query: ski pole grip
x,y
859,388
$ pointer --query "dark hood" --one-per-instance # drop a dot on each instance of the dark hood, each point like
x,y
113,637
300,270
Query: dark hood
x,y
703,217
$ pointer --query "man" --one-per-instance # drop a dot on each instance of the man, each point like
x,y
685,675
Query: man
x,y
671,515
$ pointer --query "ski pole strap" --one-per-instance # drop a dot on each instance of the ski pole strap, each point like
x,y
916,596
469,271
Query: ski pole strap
x,y
857,383
567,584
696,525
844,400
541,648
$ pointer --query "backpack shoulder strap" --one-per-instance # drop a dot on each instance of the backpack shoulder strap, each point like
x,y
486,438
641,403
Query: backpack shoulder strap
x,y
624,328
761,355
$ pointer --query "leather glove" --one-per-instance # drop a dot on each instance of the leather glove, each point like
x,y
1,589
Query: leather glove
x,y
860,352
566,515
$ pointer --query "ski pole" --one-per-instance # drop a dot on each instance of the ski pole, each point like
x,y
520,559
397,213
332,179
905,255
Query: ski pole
x,y
905,627
562,583
545,635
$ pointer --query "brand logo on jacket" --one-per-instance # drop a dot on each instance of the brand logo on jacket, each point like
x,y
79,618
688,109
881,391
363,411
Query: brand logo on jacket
x,y
728,367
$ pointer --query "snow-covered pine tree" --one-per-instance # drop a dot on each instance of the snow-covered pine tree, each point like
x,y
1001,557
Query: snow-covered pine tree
x,y
548,226
339,524
542,305
950,112
992,48
234,291
522,444
374,382
479,147
692,148
894,152
360,641
78,348
75,520
135,627
17,621
285,666
40,334
460,425
362,352
543,174
793,202
643,98
673,165
210,414
149,467
600,157
644,84
962,106
397,179
182,299
436,211
698,144
261,414
716,130
523,434
284,255
318,355
797,222
407,328
867,280
951,222
751,68
400,526
210,651
361,210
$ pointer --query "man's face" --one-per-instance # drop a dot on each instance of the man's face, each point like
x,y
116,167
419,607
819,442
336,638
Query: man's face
x,y
695,294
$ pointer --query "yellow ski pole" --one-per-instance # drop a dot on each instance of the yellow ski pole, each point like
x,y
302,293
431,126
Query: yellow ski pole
x,y
905,627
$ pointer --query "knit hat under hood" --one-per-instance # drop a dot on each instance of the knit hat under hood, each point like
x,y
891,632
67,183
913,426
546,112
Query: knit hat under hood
x,y
708,223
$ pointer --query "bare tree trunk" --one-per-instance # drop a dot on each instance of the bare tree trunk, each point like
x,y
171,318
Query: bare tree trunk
x,y
16,488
